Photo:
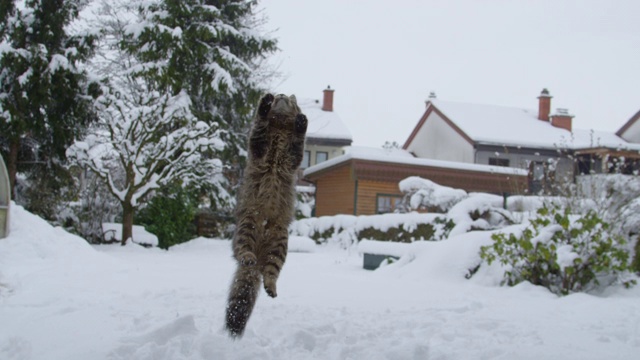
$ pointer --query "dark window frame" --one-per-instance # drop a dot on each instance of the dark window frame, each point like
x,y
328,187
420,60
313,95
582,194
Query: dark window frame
x,y
499,161
307,157
395,201
326,153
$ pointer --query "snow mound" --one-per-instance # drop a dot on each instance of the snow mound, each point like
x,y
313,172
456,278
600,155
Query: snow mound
x,y
201,244
31,237
301,244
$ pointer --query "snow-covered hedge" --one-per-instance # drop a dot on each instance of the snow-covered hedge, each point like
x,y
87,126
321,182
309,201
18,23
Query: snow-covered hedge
x,y
476,211
349,229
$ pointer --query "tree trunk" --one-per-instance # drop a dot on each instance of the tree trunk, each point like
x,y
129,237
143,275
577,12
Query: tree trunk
x,y
127,222
12,165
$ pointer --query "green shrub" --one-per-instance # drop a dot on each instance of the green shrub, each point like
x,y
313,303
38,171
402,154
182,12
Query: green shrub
x,y
562,255
439,230
436,230
170,216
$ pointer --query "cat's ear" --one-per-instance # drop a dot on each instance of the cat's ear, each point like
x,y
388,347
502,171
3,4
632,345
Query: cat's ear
x,y
293,99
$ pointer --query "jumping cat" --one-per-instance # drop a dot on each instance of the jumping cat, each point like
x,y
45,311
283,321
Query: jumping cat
x,y
265,205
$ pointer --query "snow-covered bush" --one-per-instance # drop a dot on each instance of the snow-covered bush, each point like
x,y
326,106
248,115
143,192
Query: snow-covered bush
x,y
93,206
616,198
562,252
347,230
305,201
423,194
480,211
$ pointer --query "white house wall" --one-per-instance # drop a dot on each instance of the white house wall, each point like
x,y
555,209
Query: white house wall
x,y
633,133
437,140
332,151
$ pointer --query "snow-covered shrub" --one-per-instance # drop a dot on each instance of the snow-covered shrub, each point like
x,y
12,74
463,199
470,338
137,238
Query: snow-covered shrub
x,y
562,252
93,206
305,202
480,211
436,230
423,194
616,197
347,230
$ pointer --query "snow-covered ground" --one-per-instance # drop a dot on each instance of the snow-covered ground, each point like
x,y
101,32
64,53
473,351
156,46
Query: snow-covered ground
x,y
63,299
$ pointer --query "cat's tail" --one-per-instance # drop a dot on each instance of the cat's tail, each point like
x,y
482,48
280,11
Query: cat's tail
x,y
242,298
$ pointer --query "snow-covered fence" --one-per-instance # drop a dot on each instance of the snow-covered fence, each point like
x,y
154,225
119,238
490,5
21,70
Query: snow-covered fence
x,y
348,229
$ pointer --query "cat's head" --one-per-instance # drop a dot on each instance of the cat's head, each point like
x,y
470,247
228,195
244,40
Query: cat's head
x,y
284,105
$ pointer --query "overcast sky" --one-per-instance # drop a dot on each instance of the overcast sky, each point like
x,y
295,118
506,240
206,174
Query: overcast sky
x,y
384,57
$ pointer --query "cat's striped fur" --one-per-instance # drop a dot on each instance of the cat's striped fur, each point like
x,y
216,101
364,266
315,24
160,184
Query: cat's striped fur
x,y
265,204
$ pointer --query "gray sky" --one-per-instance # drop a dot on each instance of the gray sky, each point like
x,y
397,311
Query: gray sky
x,y
384,57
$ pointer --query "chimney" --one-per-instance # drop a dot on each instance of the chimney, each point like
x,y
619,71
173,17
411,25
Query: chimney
x,y
327,101
544,105
562,119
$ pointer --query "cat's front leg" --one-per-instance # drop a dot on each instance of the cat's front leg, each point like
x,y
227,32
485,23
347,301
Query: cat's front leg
x,y
297,143
258,138
265,106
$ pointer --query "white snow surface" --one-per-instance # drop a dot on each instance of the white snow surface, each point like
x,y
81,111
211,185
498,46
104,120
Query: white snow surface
x,y
64,299
501,125
323,124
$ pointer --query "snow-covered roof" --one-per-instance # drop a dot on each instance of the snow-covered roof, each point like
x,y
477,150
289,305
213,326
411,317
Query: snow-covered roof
x,y
399,156
323,124
501,125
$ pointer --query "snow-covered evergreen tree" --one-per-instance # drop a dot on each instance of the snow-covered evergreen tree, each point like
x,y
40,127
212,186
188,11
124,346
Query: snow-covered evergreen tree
x,y
212,50
42,85
147,135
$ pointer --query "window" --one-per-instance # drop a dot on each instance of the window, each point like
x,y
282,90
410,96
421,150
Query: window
x,y
585,164
387,203
321,156
499,162
305,159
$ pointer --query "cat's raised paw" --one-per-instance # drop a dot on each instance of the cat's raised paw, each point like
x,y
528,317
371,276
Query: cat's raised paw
x,y
265,105
301,123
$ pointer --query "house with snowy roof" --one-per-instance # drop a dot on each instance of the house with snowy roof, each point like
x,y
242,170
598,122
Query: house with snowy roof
x,y
326,133
539,141
484,148
364,181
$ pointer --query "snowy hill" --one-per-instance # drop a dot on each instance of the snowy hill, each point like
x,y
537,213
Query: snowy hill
x,y
63,299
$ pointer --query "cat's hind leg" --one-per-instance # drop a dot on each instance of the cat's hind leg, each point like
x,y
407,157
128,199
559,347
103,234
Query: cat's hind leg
x,y
276,253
